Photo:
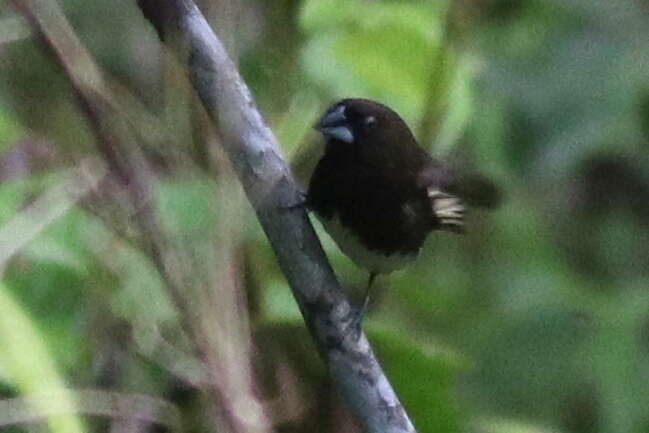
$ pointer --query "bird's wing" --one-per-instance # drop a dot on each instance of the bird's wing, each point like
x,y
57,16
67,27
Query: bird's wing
x,y
448,209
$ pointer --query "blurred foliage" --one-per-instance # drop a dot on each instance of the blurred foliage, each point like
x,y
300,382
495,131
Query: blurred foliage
x,y
537,320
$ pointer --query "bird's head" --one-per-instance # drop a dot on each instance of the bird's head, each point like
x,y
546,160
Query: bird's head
x,y
358,120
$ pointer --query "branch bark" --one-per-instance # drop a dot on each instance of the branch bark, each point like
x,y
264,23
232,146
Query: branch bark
x,y
273,192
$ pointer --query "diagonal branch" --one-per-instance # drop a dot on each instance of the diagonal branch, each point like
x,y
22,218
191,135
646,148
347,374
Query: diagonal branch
x,y
273,193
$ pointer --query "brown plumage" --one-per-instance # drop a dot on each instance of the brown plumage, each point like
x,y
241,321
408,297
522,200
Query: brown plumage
x,y
376,191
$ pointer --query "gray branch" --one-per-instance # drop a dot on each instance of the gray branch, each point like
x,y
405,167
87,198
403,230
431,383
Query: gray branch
x,y
270,187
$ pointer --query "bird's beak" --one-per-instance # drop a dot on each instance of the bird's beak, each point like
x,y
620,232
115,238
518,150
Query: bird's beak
x,y
334,124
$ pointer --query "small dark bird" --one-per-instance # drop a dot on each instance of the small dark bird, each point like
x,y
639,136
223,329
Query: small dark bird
x,y
378,194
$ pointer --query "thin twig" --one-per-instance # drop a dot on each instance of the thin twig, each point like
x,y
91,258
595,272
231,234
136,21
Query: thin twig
x,y
274,194
111,404
53,204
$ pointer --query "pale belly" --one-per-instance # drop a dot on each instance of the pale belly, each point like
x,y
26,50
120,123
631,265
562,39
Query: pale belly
x,y
371,260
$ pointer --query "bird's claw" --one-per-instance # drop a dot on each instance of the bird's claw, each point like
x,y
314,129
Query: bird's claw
x,y
357,314
299,201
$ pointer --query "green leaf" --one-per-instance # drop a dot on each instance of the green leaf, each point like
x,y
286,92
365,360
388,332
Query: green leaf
x,y
386,52
424,378
421,16
10,130
27,363
12,196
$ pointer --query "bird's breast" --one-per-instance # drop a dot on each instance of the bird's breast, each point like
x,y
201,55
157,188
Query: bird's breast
x,y
360,253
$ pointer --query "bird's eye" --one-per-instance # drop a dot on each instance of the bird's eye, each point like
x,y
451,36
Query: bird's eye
x,y
369,121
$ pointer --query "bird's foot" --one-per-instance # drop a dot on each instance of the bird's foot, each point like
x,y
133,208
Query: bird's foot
x,y
354,323
299,201
358,312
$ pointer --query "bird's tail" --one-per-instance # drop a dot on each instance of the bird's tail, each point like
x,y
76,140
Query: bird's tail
x,y
450,201
476,190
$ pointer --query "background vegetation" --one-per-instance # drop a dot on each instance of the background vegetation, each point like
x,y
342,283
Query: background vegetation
x,y
537,320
